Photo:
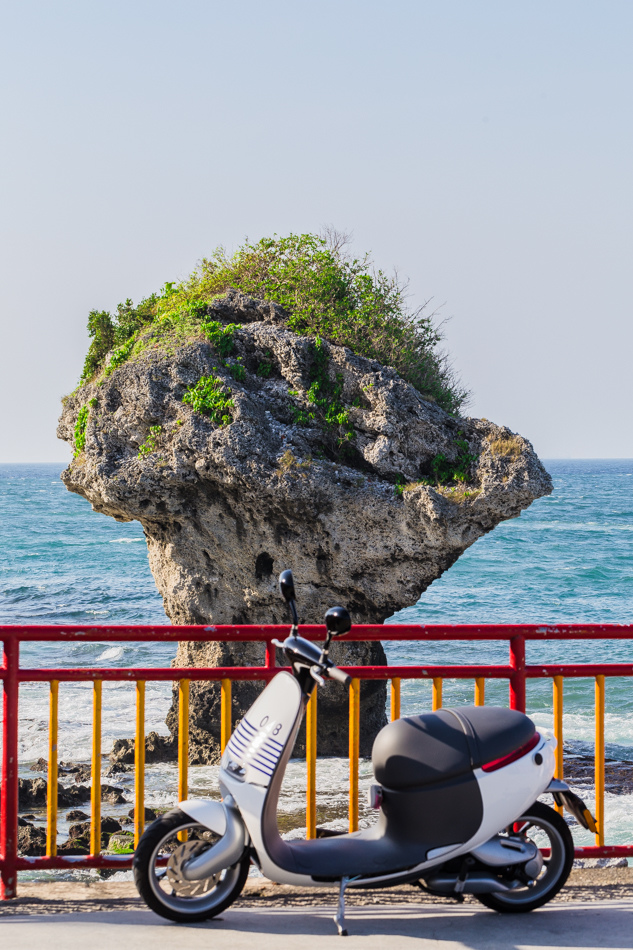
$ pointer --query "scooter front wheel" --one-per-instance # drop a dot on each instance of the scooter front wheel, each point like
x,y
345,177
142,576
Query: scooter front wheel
x,y
545,827
166,845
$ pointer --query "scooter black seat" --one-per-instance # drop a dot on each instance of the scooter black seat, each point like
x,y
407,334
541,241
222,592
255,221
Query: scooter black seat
x,y
434,747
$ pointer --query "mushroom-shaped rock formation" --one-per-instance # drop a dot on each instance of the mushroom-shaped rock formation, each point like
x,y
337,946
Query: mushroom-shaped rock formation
x,y
260,449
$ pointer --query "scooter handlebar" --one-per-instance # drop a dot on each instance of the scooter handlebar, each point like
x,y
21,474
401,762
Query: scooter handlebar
x,y
334,673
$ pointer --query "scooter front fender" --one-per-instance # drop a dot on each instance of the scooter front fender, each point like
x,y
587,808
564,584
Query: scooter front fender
x,y
210,813
226,822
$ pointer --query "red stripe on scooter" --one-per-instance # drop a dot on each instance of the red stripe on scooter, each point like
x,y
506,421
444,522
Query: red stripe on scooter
x,y
517,754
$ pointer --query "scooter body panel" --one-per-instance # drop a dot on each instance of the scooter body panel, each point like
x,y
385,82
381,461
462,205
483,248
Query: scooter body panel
x,y
258,742
507,792
251,758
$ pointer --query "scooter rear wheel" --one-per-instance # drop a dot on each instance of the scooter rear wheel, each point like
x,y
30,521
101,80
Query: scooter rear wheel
x,y
165,845
545,827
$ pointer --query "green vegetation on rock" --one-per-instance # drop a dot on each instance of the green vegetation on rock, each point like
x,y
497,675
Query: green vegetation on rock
x,y
325,293
80,426
324,395
151,442
119,356
236,370
212,398
220,337
444,471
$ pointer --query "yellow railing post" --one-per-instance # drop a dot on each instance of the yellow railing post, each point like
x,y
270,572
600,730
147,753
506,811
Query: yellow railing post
x,y
311,756
183,745
95,792
354,729
139,764
480,691
437,692
183,740
558,730
395,698
51,804
226,713
599,760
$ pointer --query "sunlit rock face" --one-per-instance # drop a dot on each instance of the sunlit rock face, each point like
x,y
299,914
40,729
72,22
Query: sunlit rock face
x,y
226,507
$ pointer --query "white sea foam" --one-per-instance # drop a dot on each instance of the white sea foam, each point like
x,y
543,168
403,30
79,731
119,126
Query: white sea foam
x,y
113,653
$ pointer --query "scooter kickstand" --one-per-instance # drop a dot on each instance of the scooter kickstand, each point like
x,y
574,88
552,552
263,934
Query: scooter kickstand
x,y
339,918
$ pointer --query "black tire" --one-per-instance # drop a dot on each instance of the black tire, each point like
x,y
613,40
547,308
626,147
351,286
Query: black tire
x,y
157,879
539,822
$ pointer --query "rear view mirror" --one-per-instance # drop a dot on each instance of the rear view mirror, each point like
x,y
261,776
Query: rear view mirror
x,y
338,621
287,586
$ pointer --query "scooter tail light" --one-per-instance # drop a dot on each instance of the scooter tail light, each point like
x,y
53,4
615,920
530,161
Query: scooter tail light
x,y
513,756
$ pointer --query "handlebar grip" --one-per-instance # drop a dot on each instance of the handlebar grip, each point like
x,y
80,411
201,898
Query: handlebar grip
x,y
335,674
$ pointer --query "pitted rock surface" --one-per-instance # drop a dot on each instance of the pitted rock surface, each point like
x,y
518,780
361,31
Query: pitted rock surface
x,y
225,509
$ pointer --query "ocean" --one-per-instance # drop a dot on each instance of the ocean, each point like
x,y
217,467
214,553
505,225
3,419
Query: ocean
x,y
566,559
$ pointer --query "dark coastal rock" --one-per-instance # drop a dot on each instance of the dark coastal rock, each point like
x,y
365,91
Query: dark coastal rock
x,y
76,815
122,751
226,508
113,795
83,774
579,768
157,749
109,826
73,795
40,766
31,841
76,846
150,813
32,793
117,768
79,835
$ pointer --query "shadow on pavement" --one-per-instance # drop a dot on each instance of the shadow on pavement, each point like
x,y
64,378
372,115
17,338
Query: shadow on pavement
x,y
569,925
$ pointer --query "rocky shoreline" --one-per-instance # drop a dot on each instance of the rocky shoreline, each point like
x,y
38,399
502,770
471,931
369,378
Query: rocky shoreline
x,y
579,771
32,796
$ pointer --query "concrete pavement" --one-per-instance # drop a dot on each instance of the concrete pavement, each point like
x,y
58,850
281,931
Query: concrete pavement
x,y
574,925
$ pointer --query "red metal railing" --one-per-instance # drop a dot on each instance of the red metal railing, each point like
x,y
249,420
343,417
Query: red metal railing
x,y
516,672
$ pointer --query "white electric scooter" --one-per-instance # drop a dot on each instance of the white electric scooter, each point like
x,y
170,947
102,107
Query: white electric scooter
x,y
456,795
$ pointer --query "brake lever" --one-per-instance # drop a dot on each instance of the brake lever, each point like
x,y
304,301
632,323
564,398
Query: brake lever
x,y
316,676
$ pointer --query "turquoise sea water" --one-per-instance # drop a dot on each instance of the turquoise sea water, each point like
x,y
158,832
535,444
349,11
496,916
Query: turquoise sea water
x,y
566,559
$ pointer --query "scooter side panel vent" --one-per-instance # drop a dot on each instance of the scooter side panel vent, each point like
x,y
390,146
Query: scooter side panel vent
x,y
251,746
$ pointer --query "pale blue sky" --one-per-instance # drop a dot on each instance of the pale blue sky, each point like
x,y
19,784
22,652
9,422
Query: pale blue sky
x,y
484,148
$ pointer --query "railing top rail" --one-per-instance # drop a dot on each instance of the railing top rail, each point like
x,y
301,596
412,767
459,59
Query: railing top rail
x,y
243,673
264,632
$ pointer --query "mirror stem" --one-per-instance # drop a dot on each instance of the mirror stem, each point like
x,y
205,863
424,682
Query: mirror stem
x,y
326,646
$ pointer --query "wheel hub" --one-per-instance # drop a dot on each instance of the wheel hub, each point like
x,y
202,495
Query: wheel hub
x,y
180,857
